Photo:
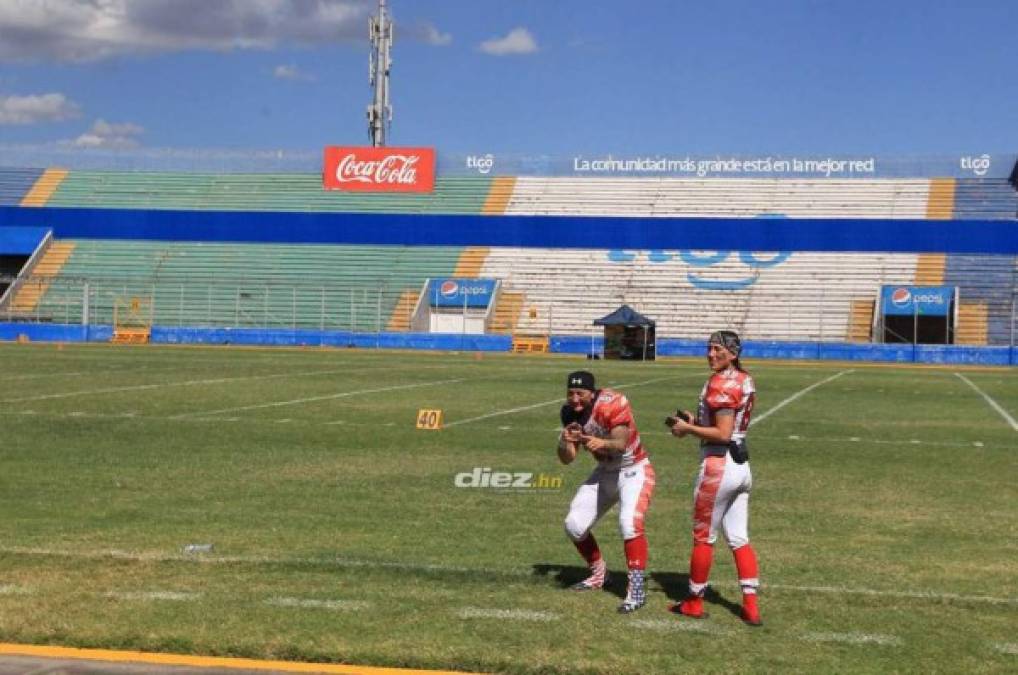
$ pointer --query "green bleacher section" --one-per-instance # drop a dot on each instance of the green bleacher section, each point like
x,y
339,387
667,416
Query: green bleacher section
x,y
257,192
308,286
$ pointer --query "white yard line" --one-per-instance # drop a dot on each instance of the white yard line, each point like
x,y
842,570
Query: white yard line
x,y
339,562
333,605
854,638
993,404
1006,647
678,625
522,573
131,369
507,411
197,418
560,400
855,440
36,376
11,589
910,595
312,399
760,418
153,595
506,614
160,385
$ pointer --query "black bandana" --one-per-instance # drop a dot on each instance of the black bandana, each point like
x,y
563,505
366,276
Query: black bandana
x,y
727,339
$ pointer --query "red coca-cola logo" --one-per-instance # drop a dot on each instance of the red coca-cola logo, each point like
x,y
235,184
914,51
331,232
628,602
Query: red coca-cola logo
x,y
379,169
399,169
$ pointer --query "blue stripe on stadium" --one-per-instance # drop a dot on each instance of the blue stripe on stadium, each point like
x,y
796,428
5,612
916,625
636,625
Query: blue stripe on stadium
x,y
798,234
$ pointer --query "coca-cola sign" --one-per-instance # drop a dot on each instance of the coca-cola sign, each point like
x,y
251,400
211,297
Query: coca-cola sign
x,y
379,169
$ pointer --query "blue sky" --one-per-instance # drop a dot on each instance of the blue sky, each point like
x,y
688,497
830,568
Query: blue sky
x,y
556,77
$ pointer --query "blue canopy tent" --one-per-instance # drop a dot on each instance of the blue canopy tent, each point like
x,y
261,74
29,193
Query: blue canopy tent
x,y
628,335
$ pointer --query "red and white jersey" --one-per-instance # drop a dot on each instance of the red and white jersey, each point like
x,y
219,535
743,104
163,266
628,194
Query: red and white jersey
x,y
611,409
731,389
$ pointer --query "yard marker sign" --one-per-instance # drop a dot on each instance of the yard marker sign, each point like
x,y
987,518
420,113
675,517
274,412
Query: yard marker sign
x,y
429,419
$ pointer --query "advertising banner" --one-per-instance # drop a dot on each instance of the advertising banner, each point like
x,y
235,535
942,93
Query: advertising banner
x,y
452,292
685,165
921,300
370,169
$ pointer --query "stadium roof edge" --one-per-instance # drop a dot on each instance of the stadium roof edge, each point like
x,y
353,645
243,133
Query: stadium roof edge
x,y
977,164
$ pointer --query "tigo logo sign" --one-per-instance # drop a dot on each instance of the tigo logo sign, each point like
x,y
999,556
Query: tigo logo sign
x,y
978,165
483,164
379,169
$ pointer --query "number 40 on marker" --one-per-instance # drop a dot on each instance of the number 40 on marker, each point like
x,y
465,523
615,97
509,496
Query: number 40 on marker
x,y
429,419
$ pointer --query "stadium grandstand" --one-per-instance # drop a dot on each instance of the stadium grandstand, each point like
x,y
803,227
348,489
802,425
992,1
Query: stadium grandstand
x,y
98,248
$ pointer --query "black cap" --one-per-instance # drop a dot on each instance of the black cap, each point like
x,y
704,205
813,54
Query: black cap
x,y
580,379
728,339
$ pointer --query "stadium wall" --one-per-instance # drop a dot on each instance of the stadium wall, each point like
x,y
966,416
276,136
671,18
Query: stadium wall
x,y
821,351
772,234
765,234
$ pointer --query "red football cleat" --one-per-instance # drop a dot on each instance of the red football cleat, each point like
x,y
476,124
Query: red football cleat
x,y
750,612
691,607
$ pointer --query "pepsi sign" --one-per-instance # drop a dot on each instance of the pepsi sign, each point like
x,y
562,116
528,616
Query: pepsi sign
x,y
919,300
458,292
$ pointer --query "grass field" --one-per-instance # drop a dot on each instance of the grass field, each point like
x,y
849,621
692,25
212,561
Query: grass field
x,y
884,512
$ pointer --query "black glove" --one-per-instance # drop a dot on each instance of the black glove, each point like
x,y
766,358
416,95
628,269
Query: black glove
x,y
684,415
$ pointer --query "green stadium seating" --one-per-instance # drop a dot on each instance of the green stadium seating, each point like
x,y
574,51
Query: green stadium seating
x,y
257,192
284,285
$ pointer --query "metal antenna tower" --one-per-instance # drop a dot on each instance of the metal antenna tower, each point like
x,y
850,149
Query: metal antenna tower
x,y
379,62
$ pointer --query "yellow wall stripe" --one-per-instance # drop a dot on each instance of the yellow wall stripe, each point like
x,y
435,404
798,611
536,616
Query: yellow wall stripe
x,y
44,188
860,320
204,661
929,269
401,313
973,324
499,194
471,261
30,292
940,203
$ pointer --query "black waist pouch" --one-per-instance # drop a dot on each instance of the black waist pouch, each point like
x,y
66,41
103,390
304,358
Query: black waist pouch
x,y
738,451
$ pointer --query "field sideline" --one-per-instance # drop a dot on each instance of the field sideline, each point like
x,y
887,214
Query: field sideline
x,y
885,513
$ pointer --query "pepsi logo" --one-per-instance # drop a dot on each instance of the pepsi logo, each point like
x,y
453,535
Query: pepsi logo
x,y
449,288
901,297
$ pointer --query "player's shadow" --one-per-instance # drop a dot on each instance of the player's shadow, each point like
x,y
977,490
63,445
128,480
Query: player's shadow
x,y
567,575
676,587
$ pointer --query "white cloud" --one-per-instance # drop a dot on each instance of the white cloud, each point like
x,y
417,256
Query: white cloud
x,y
292,72
88,30
106,135
35,109
518,41
422,31
432,36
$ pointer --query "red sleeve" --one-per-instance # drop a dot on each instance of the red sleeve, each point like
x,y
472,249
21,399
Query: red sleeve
x,y
616,413
723,393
